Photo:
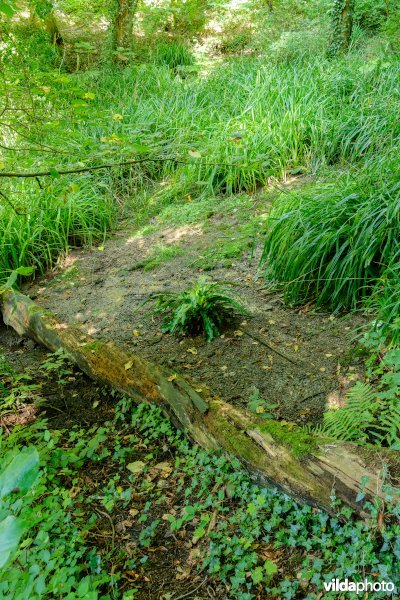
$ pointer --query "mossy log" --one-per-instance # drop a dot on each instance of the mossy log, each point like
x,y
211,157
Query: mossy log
x,y
302,465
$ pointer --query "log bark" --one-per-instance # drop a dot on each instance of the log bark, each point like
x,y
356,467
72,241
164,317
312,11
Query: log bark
x,y
301,464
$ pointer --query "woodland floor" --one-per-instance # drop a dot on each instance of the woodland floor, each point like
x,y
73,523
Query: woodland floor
x,y
172,562
105,289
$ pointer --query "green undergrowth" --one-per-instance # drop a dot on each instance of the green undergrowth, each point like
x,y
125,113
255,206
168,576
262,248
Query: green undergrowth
x,y
136,467
371,414
335,242
233,241
279,118
237,220
276,119
205,307
51,222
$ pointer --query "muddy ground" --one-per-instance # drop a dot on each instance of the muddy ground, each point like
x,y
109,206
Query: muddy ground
x,y
300,360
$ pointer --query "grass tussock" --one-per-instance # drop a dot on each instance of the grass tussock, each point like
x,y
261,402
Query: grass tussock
x,y
334,242
46,225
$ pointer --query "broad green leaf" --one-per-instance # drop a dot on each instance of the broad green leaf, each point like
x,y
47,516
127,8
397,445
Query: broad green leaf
x,y
21,473
24,271
10,533
7,9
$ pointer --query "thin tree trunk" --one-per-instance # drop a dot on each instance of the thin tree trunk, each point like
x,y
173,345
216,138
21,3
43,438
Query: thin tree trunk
x,y
342,25
124,23
306,466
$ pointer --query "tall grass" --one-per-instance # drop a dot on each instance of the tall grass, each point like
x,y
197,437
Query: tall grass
x,y
251,121
51,222
334,243
230,130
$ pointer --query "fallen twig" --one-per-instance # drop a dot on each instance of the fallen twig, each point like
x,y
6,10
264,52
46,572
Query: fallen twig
x,y
257,339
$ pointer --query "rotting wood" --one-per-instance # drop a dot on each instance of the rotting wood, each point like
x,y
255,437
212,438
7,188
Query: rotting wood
x,y
304,466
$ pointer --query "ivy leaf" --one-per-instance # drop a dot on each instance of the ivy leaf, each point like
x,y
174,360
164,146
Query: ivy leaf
x,y
136,467
25,271
270,567
257,575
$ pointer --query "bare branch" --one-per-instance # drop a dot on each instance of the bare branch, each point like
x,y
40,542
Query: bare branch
x,y
15,174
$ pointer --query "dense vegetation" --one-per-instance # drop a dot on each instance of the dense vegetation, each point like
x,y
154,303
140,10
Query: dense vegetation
x,y
112,113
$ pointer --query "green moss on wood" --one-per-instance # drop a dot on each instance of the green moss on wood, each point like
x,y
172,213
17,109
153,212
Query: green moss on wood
x,y
233,440
298,441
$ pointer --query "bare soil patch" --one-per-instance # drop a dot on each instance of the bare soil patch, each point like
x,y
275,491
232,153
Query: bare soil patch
x,y
298,359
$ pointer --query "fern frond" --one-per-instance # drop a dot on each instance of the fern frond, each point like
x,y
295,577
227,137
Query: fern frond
x,y
351,422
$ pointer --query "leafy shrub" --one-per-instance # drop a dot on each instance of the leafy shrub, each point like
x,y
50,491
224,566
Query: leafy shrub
x,y
371,14
203,308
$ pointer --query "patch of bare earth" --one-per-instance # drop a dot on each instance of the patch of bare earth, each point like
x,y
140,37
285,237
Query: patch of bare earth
x,y
295,358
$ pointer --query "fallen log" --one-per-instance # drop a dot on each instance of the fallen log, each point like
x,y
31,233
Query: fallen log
x,y
301,464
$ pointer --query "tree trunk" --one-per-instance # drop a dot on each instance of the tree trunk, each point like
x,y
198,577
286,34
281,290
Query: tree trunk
x,y
342,25
124,23
301,464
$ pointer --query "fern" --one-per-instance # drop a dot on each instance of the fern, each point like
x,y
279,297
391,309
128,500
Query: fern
x,y
203,308
387,429
351,422
368,417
